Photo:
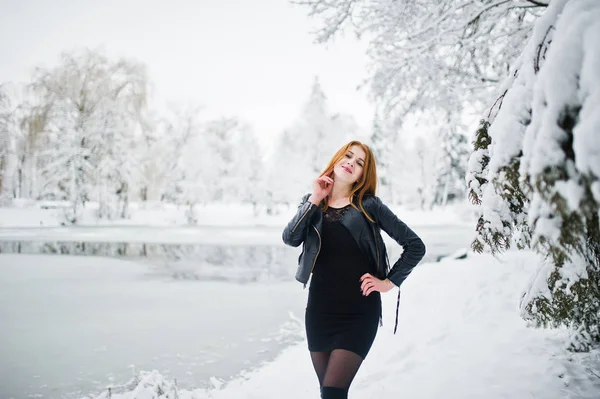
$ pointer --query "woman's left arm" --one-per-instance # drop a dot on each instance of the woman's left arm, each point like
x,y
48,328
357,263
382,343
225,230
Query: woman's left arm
x,y
414,248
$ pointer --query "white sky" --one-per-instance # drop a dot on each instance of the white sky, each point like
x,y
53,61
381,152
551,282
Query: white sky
x,y
252,58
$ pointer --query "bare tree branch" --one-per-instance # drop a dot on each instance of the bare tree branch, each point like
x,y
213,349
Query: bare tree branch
x,y
537,3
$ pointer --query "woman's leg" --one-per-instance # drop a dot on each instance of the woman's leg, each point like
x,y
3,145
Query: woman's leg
x,y
319,361
341,370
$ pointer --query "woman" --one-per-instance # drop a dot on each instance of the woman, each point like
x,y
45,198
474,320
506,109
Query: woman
x,y
339,226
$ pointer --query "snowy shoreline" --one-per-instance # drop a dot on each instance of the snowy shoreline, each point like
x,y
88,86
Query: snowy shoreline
x,y
215,215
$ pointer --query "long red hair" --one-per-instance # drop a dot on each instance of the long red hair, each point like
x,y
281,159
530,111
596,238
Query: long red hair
x,y
367,184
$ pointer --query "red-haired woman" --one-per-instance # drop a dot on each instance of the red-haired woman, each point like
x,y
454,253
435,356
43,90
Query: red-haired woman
x,y
339,227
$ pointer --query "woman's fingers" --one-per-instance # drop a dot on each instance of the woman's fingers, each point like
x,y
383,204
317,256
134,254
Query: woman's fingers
x,y
370,284
370,288
325,179
364,276
322,183
364,284
367,283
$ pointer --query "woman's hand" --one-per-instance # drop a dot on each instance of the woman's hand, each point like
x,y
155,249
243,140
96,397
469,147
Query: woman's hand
x,y
371,283
321,188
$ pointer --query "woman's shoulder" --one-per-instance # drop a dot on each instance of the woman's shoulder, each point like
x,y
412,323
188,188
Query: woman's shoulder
x,y
370,198
370,202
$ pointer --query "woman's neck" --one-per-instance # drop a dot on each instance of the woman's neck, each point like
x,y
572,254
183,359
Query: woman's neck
x,y
339,193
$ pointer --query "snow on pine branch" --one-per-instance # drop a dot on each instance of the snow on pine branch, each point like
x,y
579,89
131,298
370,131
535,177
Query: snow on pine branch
x,y
561,150
504,204
538,175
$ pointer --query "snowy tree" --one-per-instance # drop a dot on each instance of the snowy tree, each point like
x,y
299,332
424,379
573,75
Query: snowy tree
x,y
151,151
430,54
305,148
426,155
436,166
249,168
30,143
181,158
288,175
220,135
536,165
320,137
7,148
93,107
382,142
451,166
400,171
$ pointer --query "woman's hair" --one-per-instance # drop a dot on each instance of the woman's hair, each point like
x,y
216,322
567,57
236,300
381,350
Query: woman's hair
x,y
366,185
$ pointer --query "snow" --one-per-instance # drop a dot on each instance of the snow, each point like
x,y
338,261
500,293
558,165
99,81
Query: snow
x,y
548,225
556,73
548,121
558,88
572,192
585,142
574,270
567,84
510,120
214,235
463,339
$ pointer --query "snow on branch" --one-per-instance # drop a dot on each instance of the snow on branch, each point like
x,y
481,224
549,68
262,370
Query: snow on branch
x,y
539,185
428,54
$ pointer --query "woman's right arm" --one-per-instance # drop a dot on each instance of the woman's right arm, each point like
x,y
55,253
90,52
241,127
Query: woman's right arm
x,y
294,232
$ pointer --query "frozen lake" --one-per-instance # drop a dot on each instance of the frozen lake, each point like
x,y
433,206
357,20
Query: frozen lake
x,y
194,303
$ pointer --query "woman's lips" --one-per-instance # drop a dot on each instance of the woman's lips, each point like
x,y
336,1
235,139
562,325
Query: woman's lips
x,y
346,169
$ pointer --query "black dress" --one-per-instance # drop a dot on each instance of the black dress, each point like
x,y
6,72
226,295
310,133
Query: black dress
x,y
338,316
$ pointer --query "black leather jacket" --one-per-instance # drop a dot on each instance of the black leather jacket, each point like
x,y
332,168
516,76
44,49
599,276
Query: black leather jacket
x,y
306,226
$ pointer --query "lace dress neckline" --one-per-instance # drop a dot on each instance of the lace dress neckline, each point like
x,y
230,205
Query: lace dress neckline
x,y
345,206
335,214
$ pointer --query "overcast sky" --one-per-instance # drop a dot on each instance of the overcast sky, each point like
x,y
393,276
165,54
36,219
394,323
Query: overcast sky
x,y
251,58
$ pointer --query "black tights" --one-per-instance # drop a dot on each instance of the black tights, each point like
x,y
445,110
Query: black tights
x,y
335,370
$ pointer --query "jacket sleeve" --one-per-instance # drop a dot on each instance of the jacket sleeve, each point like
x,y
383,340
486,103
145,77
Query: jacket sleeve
x,y
294,233
414,248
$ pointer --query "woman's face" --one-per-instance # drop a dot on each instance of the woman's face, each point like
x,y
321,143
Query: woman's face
x,y
350,168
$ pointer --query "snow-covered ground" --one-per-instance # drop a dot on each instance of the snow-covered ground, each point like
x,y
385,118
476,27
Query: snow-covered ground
x,y
75,324
460,336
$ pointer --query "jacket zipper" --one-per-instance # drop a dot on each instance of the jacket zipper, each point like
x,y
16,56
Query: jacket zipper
x,y
376,248
377,253
301,218
319,250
